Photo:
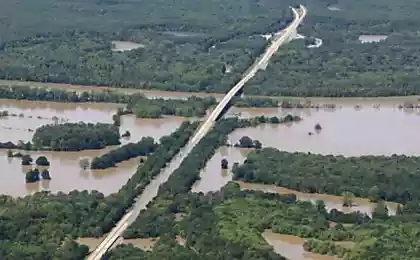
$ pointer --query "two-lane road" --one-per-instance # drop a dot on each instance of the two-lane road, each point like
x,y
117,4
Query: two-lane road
x,y
152,189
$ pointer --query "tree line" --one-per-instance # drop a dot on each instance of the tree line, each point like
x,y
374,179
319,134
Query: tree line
x,y
391,178
137,103
144,147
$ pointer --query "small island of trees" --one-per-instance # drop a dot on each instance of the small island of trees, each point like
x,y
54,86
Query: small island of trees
x,y
247,142
76,136
42,161
144,147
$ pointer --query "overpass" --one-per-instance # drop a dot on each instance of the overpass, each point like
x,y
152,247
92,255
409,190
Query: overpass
x,y
152,189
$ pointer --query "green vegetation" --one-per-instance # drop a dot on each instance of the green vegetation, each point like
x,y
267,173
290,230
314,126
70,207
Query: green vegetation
x,y
76,136
43,226
136,103
177,39
155,108
255,102
42,161
343,66
247,142
26,160
228,224
144,147
393,178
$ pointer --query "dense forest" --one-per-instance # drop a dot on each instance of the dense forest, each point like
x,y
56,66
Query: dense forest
x,y
75,136
177,41
205,46
343,66
393,178
144,147
44,225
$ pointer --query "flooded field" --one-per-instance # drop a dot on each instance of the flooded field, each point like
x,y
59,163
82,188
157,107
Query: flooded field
x,y
346,130
125,46
331,201
65,171
372,38
291,247
213,177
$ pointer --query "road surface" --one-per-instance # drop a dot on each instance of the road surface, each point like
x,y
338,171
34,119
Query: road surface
x,y
152,189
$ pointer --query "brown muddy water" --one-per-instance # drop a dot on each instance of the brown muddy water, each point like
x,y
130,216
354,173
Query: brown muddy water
x,y
331,201
213,177
346,130
65,171
291,247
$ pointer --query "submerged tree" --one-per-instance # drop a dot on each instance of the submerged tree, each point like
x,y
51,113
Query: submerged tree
x,y
46,175
42,161
225,164
84,163
348,199
32,176
26,159
381,210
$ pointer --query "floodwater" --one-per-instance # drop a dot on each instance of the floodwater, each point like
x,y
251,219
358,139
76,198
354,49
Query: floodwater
x,y
213,177
182,34
331,201
145,244
291,247
65,171
346,130
125,46
372,38
334,8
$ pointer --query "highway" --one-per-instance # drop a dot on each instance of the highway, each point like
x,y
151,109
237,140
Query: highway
x,y
152,189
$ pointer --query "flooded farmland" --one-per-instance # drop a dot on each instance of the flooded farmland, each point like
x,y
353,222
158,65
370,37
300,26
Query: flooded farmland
x,y
331,201
291,247
346,130
213,177
65,171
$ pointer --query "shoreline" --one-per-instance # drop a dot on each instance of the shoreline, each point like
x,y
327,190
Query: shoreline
x,y
154,93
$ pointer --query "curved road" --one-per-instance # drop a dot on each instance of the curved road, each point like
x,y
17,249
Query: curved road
x,y
152,189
